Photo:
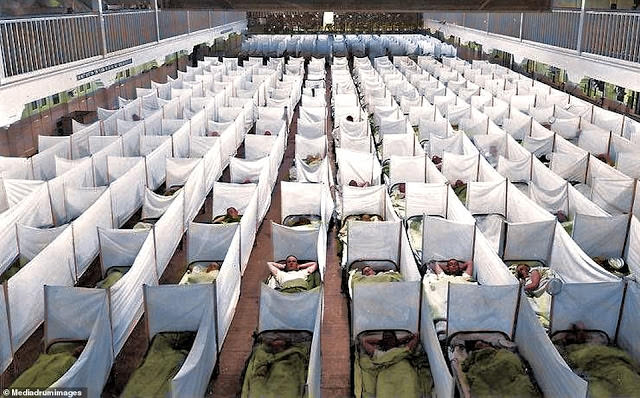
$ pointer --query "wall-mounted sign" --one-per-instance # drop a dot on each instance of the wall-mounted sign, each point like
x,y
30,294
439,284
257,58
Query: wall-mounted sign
x,y
103,69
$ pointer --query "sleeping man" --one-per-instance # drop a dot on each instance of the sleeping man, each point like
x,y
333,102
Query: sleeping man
x,y
291,276
231,216
369,275
390,366
452,267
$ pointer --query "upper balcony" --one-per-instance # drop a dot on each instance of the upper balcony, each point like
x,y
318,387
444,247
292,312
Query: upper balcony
x,y
602,44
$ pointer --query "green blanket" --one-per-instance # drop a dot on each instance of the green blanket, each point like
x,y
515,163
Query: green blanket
x,y
164,359
114,274
49,367
195,278
610,371
495,372
10,272
387,276
277,374
394,373
461,193
302,285
568,226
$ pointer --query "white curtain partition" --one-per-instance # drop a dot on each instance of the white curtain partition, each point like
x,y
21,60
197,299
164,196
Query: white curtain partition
x,y
390,306
632,254
479,308
552,374
520,246
573,264
78,199
178,170
444,239
32,241
168,232
407,169
54,265
280,311
85,231
487,197
460,167
126,294
366,200
314,374
6,351
156,163
195,192
596,305
373,241
630,322
73,313
119,247
178,308
428,198
589,232
210,242
127,193
358,166
288,241
227,195
444,384
248,229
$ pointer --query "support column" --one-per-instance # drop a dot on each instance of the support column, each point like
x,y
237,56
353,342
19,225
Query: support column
x,y
103,37
521,22
155,10
580,27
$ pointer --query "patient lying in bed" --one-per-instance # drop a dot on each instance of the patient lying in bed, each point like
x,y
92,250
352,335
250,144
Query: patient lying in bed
x,y
397,195
304,221
200,273
391,364
231,216
163,360
278,365
50,366
367,274
535,281
293,277
439,275
488,365
610,371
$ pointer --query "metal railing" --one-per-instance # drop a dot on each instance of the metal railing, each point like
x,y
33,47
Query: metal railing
x,y
32,44
120,32
608,33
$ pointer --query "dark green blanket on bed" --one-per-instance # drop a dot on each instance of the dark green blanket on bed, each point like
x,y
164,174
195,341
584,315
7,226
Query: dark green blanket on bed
x,y
302,285
495,372
610,371
461,193
164,359
386,276
277,374
397,372
49,367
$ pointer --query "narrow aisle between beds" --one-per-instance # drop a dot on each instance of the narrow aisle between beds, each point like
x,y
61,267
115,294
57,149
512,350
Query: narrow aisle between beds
x,y
238,344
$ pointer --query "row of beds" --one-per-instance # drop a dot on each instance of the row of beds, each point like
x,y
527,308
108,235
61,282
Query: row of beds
x,y
487,363
168,351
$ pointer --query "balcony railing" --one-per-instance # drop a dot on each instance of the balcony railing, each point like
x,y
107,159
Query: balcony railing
x,y
608,33
33,44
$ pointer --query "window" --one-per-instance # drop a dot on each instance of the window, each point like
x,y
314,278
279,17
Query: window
x,y
56,99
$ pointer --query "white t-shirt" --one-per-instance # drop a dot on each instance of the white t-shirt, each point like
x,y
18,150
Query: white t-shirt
x,y
283,277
